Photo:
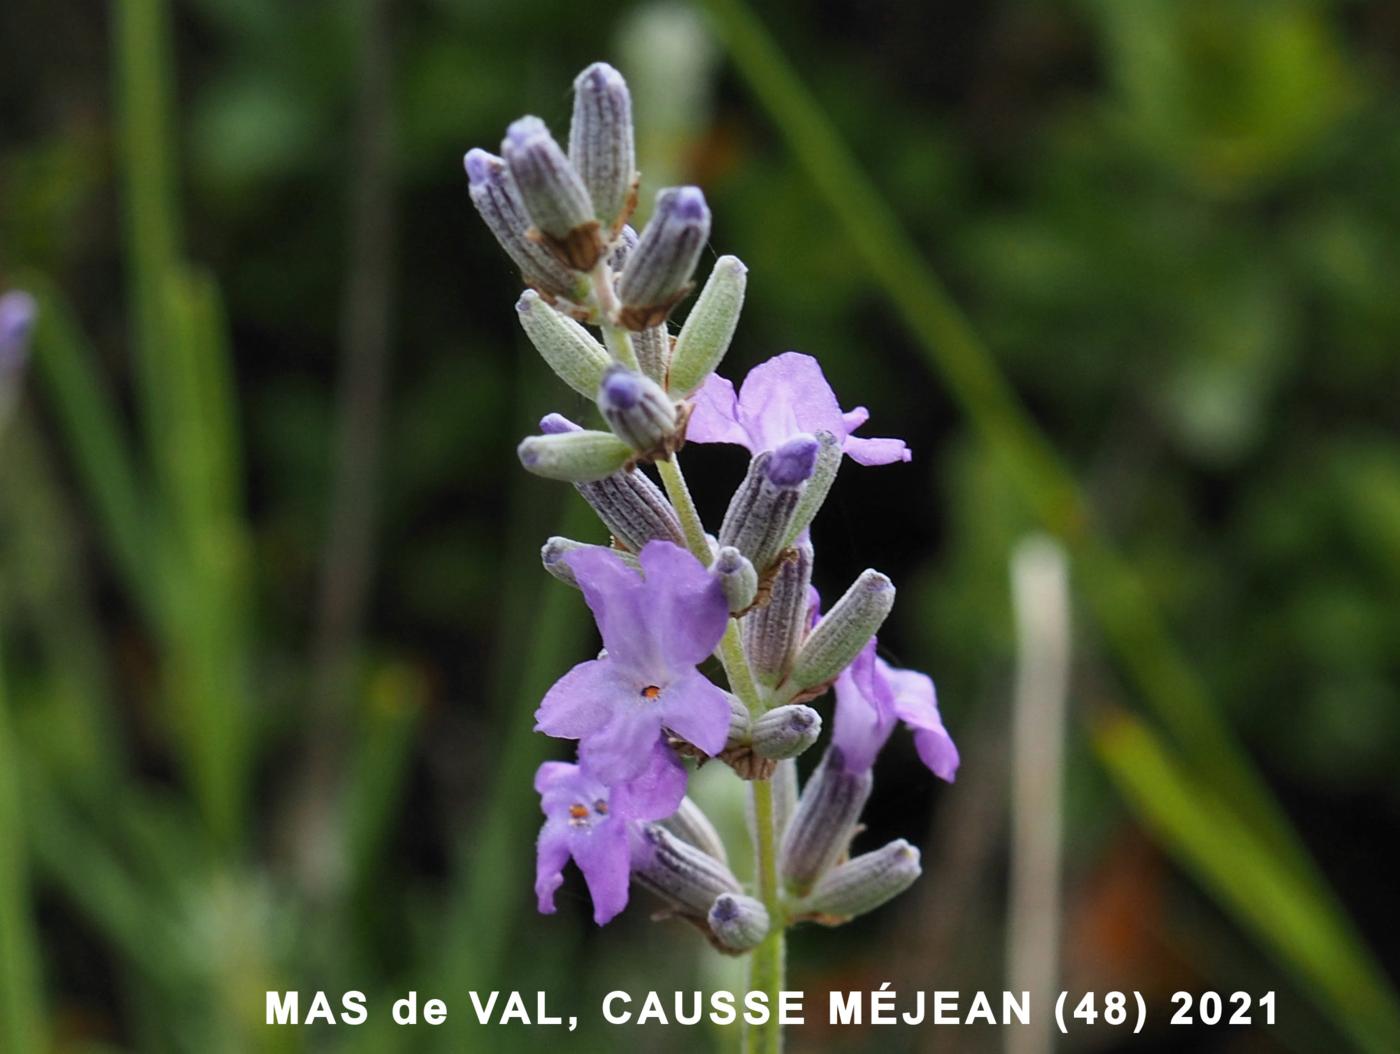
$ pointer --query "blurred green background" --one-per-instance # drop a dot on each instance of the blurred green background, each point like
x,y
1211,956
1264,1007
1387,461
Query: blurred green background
x,y
272,624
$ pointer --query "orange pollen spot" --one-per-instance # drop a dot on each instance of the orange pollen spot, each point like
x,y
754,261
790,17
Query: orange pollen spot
x,y
578,812
651,691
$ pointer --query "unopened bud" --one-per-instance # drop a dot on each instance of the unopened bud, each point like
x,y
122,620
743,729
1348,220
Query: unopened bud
x,y
740,723
786,731
758,516
709,327
601,143
680,873
625,242
639,412
567,347
577,457
653,348
690,824
821,829
738,578
739,923
497,199
554,551
774,631
864,883
554,195
657,273
828,461
634,509
843,631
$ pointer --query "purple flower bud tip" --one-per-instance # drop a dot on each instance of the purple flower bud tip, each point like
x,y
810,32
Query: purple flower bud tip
x,y
622,389
527,453
792,462
726,908
527,301
17,312
526,129
481,165
599,77
688,204
557,424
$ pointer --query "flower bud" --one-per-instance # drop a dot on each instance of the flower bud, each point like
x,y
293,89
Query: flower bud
x,y
623,245
639,412
774,631
634,509
680,873
653,348
567,347
577,457
709,327
786,731
554,195
821,829
657,273
554,551
601,144
740,723
863,883
18,310
843,631
497,199
737,576
828,460
690,824
739,923
760,512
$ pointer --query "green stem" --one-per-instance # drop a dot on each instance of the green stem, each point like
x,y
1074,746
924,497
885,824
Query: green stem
x,y
679,494
768,961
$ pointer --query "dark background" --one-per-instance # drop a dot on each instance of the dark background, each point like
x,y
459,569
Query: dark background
x,y
269,726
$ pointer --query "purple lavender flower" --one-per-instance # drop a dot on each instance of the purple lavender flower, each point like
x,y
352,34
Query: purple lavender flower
x,y
17,313
656,627
870,696
594,824
781,398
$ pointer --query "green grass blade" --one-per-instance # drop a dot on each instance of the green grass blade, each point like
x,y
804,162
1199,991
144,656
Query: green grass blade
x,y
91,426
204,561
1202,830
143,67
21,999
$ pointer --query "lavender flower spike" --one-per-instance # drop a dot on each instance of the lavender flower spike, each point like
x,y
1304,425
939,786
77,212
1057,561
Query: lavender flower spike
x,y
871,696
601,143
497,199
594,824
554,194
656,627
779,399
657,273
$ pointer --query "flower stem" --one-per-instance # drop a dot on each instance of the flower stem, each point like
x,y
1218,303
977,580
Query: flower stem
x,y
768,961
617,339
679,493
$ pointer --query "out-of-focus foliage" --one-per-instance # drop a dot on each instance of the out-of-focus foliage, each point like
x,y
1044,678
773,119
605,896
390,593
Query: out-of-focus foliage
x,y
1174,224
